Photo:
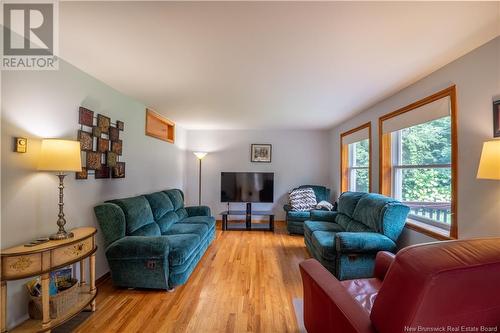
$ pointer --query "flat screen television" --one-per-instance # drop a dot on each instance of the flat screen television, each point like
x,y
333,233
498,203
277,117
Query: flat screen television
x,y
247,187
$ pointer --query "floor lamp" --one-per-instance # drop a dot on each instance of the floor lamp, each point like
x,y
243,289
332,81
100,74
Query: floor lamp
x,y
200,155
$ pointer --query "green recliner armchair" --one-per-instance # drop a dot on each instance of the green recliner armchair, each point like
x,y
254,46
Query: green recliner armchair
x,y
295,219
346,241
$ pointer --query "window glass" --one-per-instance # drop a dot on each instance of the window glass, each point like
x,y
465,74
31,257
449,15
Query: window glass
x,y
428,143
359,159
422,170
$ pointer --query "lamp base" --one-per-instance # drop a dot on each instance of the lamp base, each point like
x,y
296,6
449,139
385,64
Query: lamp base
x,y
61,235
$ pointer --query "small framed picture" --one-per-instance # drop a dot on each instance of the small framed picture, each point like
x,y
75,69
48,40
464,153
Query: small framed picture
x,y
261,152
496,119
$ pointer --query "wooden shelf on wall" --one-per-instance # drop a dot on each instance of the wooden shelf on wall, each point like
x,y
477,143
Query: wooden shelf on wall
x,y
159,127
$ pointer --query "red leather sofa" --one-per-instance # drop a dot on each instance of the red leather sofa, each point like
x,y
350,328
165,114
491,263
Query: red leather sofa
x,y
441,286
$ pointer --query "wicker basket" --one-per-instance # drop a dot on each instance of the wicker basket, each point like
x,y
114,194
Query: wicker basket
x,y
59,303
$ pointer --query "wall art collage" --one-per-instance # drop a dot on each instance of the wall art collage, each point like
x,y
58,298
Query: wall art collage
x,y
101,144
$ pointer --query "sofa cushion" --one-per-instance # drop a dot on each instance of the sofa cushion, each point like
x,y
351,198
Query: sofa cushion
x,y
181,248
167,221
188,228
312,226
138,247
209,221
176,197
150,229
137,212
324,244
181,213
160,204
298,216
348,202
370,210
356,226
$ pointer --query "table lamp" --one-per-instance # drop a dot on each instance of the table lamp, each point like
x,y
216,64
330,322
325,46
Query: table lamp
x,y
489,165
200,155
60,156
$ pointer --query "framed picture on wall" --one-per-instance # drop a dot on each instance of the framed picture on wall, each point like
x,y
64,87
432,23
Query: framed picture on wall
x,y
261,153
496,119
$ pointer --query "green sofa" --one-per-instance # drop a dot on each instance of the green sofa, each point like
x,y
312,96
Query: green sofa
x,y
346,241
295,219
152,240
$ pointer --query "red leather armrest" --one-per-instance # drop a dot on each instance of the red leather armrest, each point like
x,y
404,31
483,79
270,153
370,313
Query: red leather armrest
x,y
383,260
328,307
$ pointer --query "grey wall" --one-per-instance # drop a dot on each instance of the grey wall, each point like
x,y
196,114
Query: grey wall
x,y
298,157
477,78
44,104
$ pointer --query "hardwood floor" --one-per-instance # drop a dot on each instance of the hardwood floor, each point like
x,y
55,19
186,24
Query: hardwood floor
x,y
244,283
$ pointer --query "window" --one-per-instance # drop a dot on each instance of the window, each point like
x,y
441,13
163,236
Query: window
x,y
418,150
358,166
355,159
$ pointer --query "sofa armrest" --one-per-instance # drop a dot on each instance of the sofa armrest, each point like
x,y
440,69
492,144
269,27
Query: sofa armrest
x,y
383,261
328,307
323,215
287,208
363,242
198,211
138,247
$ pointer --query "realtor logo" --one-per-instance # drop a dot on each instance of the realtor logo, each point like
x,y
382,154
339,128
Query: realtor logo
x,y
29,35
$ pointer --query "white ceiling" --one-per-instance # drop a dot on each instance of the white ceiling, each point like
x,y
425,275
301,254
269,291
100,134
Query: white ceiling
x,y
281,65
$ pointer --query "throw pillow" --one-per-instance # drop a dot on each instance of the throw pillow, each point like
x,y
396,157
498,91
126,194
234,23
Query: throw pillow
x,y
302,199
324,205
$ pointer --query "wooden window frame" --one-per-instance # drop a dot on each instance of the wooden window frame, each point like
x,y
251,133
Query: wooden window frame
x,y
344,157
385,162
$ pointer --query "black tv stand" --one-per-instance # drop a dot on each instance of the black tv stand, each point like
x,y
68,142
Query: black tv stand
x,y
247,223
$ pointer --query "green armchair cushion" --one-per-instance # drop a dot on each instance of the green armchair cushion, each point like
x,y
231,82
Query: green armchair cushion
x,y
299,216
363,242
323,215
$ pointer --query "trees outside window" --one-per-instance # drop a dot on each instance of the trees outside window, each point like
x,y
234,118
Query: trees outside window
x,y
359,159
422,170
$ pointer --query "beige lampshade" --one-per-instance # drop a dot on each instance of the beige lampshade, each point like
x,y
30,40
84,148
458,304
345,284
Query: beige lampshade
x,y
60,155
200,154
489,165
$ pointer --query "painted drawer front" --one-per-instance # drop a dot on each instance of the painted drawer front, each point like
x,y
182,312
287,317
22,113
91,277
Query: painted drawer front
x,y
71,252
23,265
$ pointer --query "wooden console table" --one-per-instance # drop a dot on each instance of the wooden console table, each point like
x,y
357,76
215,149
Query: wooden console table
x,y
22,262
